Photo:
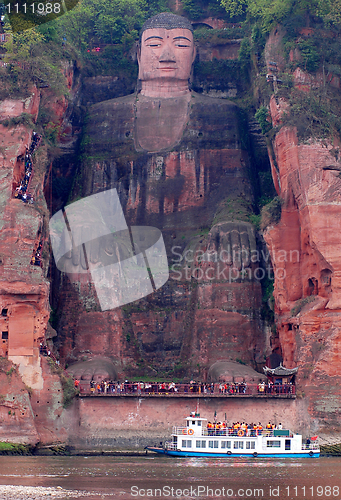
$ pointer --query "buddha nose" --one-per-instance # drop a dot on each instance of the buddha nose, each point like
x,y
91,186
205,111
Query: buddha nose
x,y
167,55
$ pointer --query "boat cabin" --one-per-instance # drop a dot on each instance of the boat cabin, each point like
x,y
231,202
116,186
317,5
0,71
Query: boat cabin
x,y
195,425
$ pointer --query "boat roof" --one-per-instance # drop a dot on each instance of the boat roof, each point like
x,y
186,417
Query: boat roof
x,y
195,417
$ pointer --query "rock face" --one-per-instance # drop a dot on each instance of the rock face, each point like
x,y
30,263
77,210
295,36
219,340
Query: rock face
x,y
188,191
17,419
304,251
23,289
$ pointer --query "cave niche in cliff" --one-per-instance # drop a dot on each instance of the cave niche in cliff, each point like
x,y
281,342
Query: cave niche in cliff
x,y
312,287
326,282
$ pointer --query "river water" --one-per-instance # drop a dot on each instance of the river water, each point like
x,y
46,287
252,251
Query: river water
x,y
97,477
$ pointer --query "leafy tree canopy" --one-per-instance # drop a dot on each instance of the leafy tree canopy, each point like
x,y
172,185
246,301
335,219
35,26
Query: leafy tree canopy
x,y
270,12
106,21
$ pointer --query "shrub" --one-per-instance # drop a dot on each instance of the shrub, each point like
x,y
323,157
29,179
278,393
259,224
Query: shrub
x,y
23,119
271,213
262,116
309,55
300,304
69,390
68,385
314,114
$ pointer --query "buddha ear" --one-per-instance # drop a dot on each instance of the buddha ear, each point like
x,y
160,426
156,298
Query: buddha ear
x,y
138,52
138,57
194,53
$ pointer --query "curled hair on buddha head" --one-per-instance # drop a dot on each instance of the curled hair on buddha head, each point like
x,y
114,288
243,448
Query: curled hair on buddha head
x,y
168,21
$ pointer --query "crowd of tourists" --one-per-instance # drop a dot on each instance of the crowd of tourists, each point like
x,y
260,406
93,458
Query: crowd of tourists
x,y
240,429
270,388
110,387
21,191
46,351
36,258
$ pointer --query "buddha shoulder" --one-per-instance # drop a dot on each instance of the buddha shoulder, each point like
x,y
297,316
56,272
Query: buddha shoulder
x,y
214,105
112,115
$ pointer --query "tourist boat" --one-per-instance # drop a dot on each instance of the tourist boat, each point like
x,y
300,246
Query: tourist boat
x,y
196,440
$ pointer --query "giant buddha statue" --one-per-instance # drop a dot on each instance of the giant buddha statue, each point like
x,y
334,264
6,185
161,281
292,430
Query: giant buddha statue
x,y
178,164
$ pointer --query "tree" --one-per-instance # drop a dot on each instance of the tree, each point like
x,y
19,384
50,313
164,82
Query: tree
x,y
271,12
330,11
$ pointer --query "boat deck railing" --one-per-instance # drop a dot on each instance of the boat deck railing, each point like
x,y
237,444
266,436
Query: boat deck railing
x,y
311,446
228,432
169,445
152,389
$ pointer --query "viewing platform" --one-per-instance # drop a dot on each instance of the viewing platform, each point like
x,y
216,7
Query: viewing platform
x,y
156,390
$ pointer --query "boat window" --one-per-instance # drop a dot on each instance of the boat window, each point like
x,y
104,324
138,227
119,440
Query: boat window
x,y
213,444
250,445
187,443
201,444
193,422
273,444
199,423
238,444
226,444
187,423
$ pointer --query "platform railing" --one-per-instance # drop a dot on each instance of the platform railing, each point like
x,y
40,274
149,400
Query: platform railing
x,y
190,390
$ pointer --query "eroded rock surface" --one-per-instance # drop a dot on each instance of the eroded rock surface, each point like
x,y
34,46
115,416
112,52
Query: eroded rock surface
x,y
304,250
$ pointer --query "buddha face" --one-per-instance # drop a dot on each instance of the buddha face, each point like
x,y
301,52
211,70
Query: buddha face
x,y
166,54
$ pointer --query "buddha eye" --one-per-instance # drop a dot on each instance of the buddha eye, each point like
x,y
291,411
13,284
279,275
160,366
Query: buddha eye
x,y
154,41
182,42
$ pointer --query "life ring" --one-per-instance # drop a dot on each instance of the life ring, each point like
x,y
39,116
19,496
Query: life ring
x,y
255,454
229,452
190,432
311,453
240,433
184,432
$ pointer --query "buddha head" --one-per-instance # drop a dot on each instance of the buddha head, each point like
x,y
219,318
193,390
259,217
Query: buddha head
x,y
166,53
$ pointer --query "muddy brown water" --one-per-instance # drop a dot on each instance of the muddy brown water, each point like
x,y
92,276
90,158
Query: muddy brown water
x,y
98,477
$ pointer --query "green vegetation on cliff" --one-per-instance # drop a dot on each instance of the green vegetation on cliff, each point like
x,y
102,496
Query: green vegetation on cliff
x,y
67,382
285,12
15,449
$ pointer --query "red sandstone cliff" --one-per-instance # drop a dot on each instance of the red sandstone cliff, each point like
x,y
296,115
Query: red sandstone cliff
x,y
304,248
33,397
